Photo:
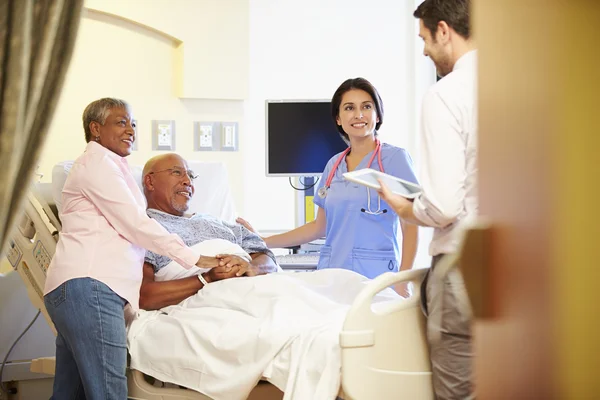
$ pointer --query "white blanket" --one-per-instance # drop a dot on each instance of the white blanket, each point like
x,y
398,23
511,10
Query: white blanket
x,y
283,327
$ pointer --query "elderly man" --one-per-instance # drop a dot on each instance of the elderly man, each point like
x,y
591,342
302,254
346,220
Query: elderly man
x,y
168,187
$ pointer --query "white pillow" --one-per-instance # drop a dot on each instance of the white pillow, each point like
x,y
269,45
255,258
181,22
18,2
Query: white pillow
x,y
212,196
208,248
59,177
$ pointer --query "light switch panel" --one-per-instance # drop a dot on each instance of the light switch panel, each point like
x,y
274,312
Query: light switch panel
x,y
206,136
229,136
163,135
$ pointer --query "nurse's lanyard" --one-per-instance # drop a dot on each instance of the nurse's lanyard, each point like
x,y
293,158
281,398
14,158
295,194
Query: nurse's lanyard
x,y
323,191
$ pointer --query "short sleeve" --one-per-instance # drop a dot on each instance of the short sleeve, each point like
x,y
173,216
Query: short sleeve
x,y
151,259
401,166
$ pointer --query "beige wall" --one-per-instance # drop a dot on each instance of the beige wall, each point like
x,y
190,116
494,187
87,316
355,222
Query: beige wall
x,y
116,58
212,41
277,49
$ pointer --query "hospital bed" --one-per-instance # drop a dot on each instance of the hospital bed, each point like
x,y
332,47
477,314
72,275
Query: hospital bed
x,y
384,353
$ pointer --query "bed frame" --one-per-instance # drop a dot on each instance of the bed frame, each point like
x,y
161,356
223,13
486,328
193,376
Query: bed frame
x,y
384,354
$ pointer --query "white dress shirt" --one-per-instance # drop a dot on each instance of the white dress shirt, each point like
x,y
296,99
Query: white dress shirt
x,y
448,170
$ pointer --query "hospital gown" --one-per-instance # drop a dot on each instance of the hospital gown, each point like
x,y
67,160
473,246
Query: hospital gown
x,y
201,227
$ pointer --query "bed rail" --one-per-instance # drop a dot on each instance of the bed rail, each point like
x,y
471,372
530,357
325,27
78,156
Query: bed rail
x,y
384,345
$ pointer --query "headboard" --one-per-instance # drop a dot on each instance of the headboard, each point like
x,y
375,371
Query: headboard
x,y
212,192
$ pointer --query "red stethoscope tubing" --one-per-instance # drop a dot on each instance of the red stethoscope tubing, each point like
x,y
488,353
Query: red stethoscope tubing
x,y
377,153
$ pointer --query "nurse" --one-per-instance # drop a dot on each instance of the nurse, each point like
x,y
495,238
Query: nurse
x,y
361,229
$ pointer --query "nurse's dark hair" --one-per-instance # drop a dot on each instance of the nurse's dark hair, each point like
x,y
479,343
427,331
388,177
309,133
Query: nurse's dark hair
x,y
453,12
352,84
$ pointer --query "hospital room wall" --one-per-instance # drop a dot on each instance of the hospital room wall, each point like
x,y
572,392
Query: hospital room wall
x,y
305,50
297,50
114,57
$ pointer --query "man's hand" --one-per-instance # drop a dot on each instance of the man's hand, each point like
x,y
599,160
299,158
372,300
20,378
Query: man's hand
x,y
219,273
246,224
261,264
401,205
398,203
252,271
231,261
207,262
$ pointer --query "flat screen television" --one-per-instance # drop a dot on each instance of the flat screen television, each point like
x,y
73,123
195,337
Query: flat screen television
x,y
301,137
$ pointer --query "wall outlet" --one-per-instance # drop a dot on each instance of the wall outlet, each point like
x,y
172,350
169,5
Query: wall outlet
x,y
163,135
229,136
205,136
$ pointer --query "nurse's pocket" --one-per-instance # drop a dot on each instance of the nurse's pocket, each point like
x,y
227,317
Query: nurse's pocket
x,y
372,263
325,258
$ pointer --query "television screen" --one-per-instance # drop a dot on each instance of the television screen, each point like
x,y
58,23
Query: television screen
x,y
301,137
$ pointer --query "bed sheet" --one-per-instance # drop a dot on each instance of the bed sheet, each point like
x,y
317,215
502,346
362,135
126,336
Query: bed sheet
x,y
283,327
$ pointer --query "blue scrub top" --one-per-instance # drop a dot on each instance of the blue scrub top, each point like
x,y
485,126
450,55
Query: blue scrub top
x,y
364,243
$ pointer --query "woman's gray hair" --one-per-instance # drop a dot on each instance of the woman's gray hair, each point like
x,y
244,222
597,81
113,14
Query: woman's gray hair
x,y
98,111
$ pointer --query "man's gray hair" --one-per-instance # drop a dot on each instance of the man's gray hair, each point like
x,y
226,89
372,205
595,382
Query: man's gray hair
x,y
98,111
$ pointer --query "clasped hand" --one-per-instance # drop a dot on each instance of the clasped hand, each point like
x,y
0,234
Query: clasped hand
x,y
224,266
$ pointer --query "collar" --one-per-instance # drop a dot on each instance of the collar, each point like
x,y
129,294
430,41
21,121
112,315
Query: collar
x,y
469,58
155,211
94,147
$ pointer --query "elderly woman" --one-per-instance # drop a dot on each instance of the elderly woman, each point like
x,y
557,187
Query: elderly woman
x,y
97,268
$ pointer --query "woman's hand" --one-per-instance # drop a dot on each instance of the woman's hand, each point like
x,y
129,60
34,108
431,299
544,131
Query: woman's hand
x,y
403,289
245,224
207,262
231,261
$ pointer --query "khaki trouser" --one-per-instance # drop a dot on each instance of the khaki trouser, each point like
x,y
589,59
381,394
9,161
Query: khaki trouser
x,y
449,337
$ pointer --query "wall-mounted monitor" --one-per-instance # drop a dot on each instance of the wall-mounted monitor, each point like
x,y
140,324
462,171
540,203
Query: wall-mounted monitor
x,y
301,137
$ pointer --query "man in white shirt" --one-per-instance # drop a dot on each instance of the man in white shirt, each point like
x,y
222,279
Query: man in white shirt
x,y
448,176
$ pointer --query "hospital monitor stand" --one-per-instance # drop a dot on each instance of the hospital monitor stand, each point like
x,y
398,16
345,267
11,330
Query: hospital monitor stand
x,y
306,210
305,206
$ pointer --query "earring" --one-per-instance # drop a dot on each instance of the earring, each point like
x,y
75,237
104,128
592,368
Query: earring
x,y
97,139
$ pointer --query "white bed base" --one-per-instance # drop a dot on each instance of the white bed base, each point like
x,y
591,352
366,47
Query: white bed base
x,y
384,354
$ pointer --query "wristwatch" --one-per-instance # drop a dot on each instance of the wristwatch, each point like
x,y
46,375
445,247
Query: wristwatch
x,y
201,278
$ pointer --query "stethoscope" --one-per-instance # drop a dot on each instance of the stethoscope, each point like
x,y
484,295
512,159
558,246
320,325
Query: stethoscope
x,y
322,192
